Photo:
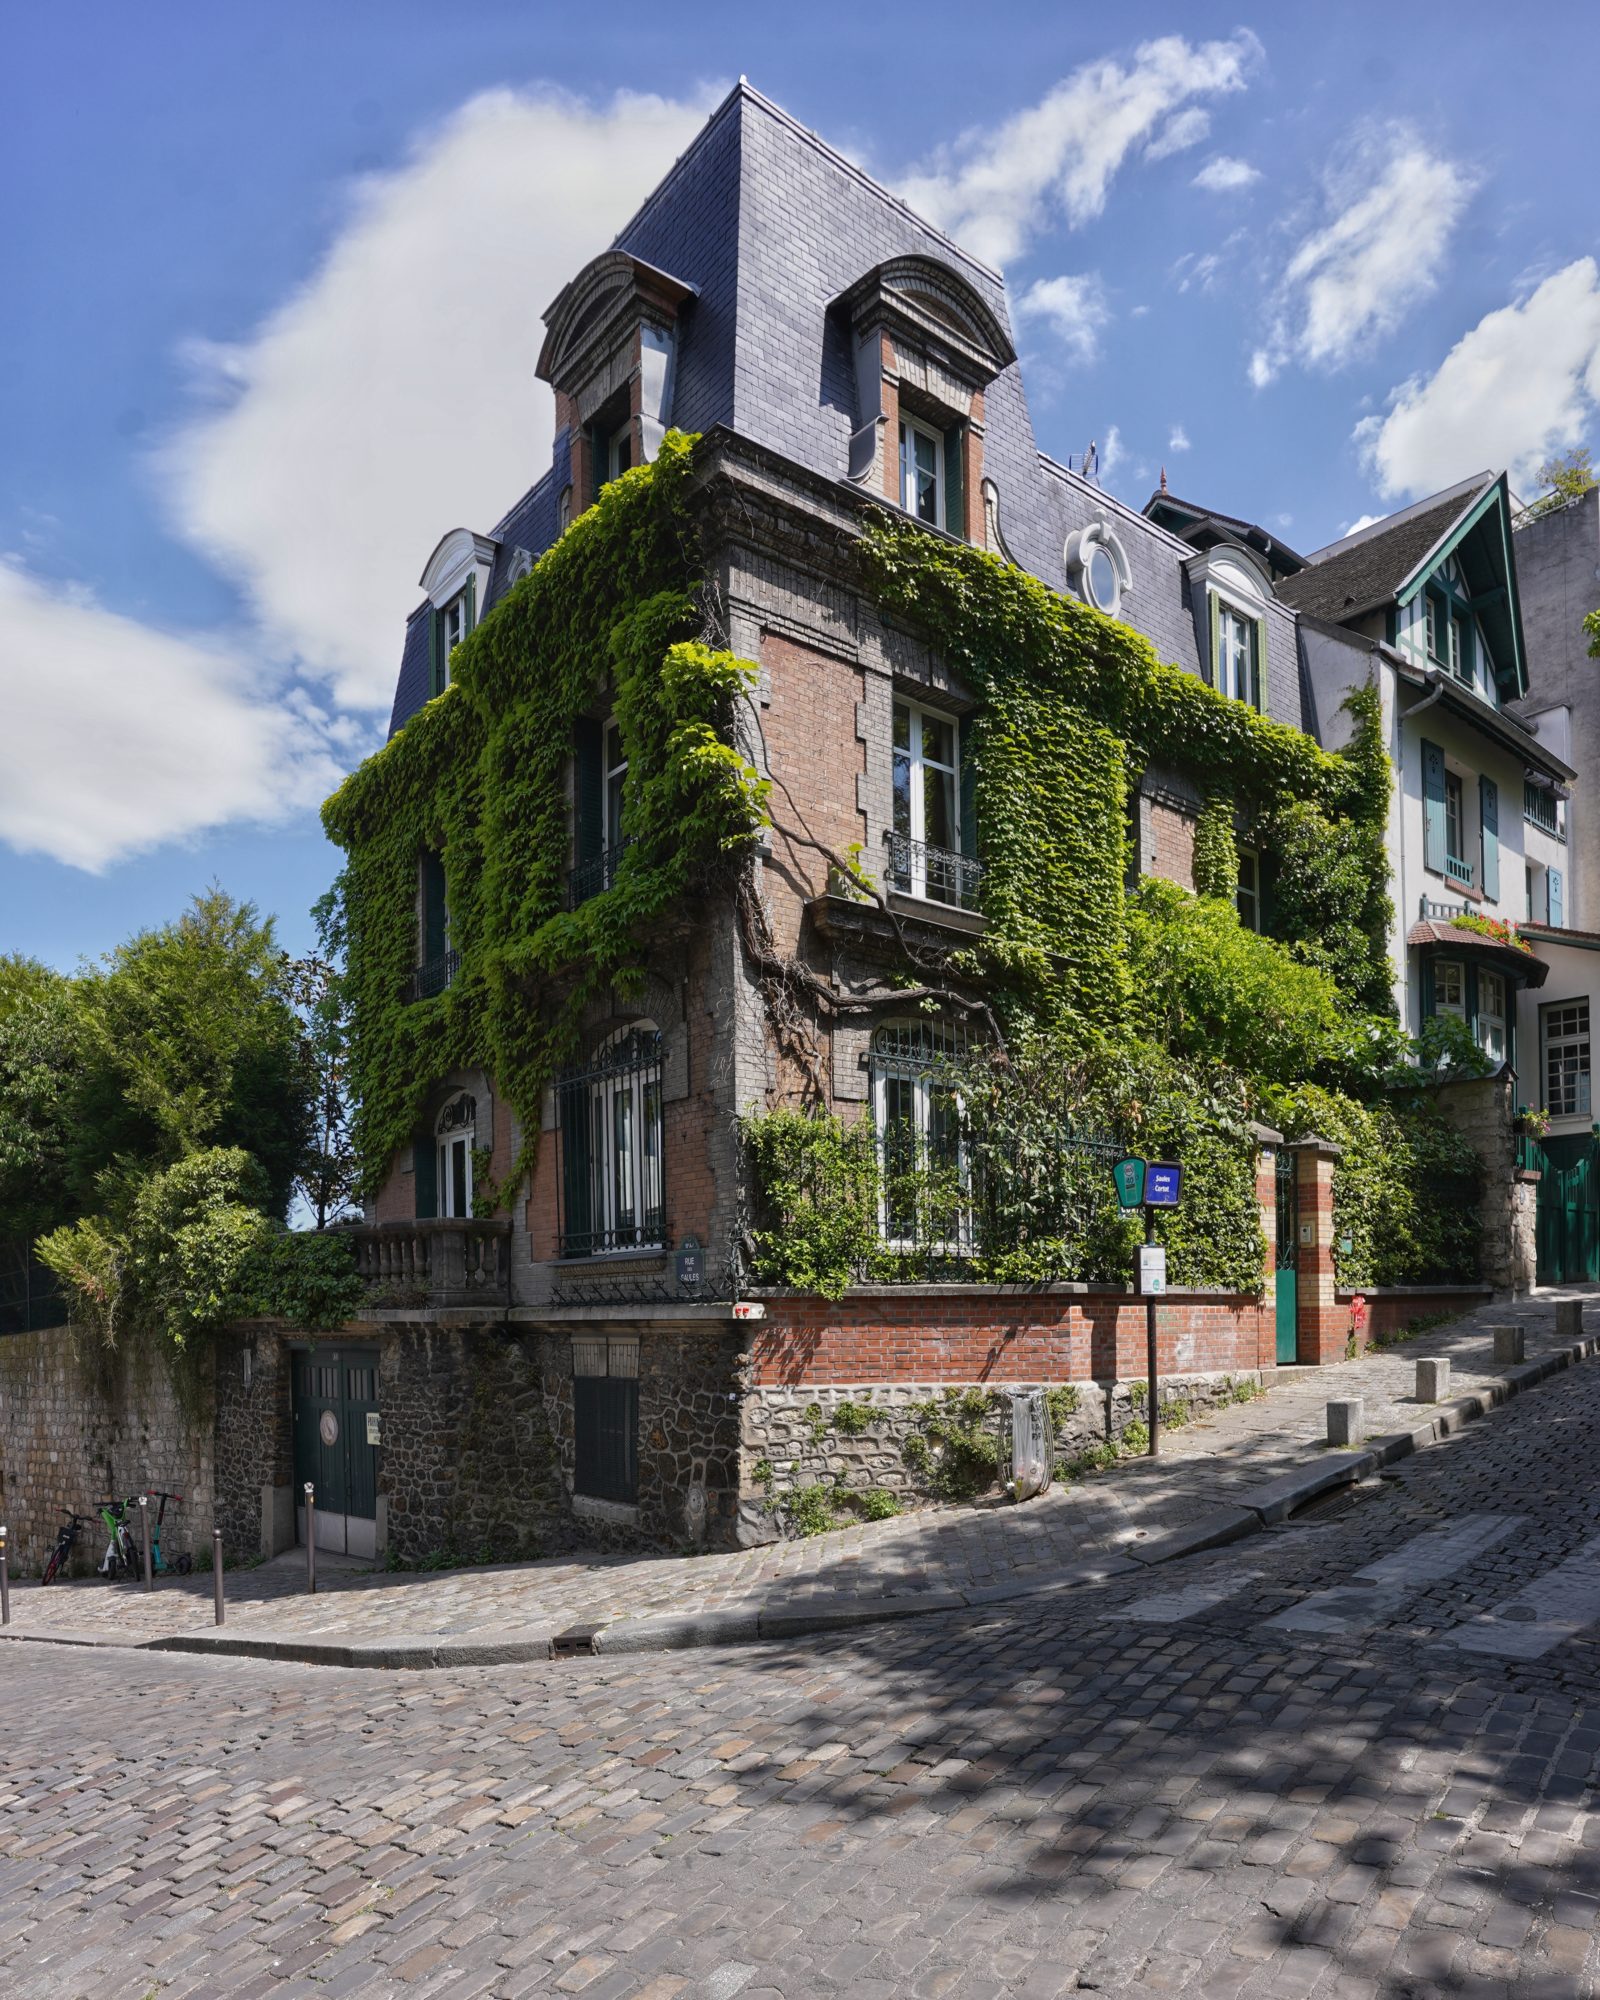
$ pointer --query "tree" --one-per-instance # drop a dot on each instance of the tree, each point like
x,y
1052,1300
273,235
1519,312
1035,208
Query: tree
x,y
1562,480
189,1041
39,1050
320,994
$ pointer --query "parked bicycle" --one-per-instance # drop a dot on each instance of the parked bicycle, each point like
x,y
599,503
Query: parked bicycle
x,y
66,1542
122,1556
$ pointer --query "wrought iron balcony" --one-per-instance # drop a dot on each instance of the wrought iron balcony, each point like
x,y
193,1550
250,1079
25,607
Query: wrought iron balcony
x,y
936,874
441,1261
590,877
433,975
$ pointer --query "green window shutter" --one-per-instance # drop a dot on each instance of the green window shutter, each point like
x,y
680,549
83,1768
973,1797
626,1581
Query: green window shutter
x,y
1557,905
969,787
589,790
434,921
1489,817
1258,667
471,617
1433,833
1209,664
435,655
955,506
424,1174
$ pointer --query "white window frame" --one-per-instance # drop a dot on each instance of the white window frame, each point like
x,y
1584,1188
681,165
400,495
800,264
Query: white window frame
x,y
620,439
1236,668
1457,968
1569,1045
1251,917
452,617
1490,1024
914,881
1078,557
911,427
1455,845
455,1148
922,1095
614,772
627,1139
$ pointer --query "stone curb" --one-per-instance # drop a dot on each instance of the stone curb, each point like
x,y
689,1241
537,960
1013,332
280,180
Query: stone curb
x,y
1263,1506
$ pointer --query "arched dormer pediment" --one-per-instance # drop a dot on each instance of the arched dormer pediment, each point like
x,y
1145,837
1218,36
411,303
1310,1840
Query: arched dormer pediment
x,y
928,304
458,555
590,317
1234,569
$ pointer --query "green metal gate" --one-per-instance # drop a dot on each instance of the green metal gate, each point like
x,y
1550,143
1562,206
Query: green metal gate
x,y
1287,1289
1568,1215
335,1419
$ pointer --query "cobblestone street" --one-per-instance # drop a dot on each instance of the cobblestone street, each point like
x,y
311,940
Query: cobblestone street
x,y
1352,1755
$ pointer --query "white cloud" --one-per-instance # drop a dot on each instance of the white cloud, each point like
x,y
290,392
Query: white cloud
x,y
1521,384
1179,440
1180,133
1110,450
1224,174
996,189
119,736
1073,308
394,396
1198,272
1361,521
1391,207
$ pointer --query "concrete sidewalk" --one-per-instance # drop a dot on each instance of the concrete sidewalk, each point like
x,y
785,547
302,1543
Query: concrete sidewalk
x,y
1243,1468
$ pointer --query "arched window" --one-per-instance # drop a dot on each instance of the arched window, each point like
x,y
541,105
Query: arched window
x,y
456,1133
610,1120
916,1106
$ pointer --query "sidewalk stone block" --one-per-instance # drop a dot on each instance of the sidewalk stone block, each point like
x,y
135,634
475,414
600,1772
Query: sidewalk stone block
x,y
1344,1421
1433,1379
1509,1343
1569,1319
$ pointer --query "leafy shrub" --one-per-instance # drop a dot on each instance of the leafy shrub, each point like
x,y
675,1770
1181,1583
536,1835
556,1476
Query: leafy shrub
x,y
879,1504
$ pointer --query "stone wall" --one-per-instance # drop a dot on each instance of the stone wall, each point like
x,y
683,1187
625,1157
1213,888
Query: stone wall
x,y
253,1450
79,1425
872,1437
467,1466
1482,1109
689,1437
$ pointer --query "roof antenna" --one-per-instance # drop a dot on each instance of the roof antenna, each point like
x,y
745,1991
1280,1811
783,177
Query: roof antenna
x,y
1091,460
1163,479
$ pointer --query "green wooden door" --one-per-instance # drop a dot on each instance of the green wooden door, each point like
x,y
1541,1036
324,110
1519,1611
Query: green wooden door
x,y
1287,1285
1568,1217
334,1393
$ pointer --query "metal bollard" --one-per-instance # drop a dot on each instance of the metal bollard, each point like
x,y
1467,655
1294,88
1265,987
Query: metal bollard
x,y
311,1539
144,1537
216,1572
5,1582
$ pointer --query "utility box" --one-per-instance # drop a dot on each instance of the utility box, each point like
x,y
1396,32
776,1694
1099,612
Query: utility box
x,y
1032,1454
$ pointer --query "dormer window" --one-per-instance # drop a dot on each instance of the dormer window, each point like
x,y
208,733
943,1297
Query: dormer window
x,y
1238,666
456,580
1230,591
922,472
1097,568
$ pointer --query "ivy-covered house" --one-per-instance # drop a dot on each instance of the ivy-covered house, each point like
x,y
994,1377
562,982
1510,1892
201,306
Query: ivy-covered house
x,y
803,730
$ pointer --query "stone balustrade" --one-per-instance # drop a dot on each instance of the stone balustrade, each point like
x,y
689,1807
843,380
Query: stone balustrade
x,y
442,1261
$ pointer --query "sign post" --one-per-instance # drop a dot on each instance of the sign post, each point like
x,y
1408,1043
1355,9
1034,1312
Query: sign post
x,y
1150,1184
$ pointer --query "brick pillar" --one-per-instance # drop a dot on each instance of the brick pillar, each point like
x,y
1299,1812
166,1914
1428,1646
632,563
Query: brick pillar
x,y
1267,1201
1322,1325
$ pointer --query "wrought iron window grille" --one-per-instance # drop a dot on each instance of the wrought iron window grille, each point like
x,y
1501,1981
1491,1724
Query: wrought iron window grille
x,y
936,874
433,975
590,877
611,1181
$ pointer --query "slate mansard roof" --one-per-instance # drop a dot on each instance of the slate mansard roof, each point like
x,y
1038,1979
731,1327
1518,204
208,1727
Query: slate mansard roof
x,y
769,227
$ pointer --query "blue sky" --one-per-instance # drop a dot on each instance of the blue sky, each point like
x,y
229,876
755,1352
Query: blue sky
x,y
275,278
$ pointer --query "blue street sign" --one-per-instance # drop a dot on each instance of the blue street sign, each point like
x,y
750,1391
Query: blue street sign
x,y
1163,1184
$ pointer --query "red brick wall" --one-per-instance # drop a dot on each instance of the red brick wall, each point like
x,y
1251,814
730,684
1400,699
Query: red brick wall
x,y
1396,1311
812,747
1170,851
979,1337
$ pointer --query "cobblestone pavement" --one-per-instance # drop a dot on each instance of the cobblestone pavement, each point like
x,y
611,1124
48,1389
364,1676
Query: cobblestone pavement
x,y
1202,1467
1352,1756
